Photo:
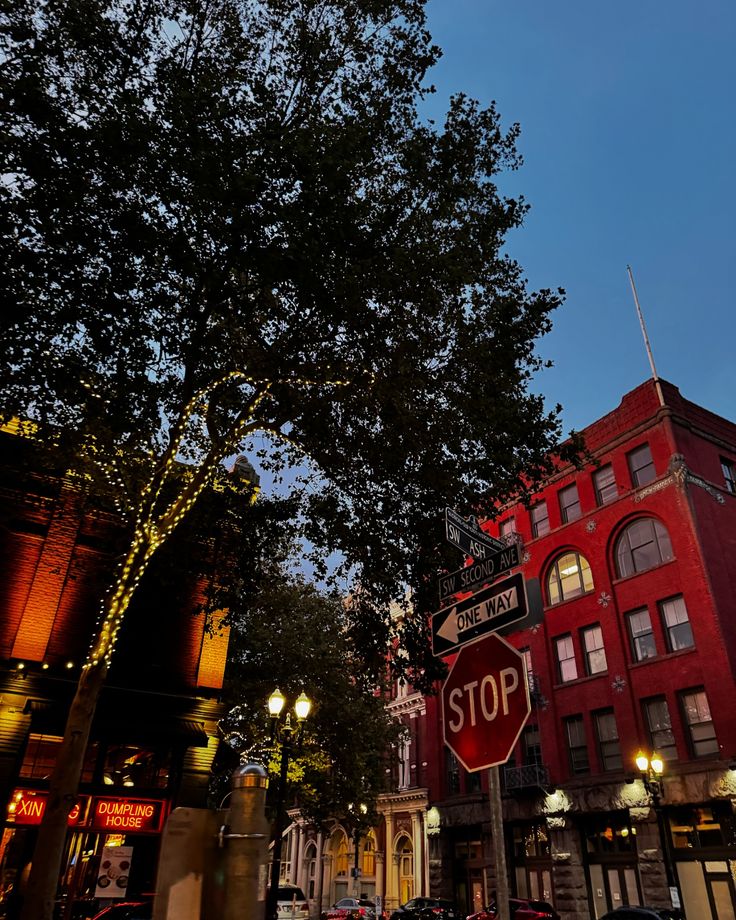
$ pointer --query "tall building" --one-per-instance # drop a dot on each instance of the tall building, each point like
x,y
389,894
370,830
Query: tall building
x,y
154,734
632,650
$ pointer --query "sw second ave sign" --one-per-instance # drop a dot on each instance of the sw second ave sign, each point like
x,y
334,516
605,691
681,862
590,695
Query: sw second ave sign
x,y
485,703
482,613
479,573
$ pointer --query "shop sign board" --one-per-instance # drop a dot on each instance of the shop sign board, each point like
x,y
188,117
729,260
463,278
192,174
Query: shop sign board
x,y
485,703
126,815
484,612
27,807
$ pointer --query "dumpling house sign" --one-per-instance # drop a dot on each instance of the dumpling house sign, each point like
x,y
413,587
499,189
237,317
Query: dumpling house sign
x,y
95,813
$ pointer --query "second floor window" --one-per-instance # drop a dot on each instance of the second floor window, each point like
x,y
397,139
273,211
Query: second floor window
x,y
659,726
569,577
531,745
643,544
569,504
567,668
595,654
641,466
576,746
507,527
605,485
540,519
608,741
702,733
729,474
676,624
641,636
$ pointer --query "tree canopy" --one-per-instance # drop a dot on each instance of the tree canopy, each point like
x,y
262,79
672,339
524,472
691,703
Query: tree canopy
x,y
227,226
289,635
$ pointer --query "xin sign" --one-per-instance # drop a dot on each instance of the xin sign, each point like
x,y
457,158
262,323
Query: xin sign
x,y
469,537
482,613
27,807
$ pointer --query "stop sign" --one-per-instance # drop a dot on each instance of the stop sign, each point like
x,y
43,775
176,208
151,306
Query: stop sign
x,y
485,702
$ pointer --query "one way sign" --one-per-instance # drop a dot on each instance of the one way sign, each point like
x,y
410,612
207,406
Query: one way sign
x,y
485,612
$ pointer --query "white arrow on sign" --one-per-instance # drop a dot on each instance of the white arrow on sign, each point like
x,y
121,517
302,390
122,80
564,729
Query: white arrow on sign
x,y
458,623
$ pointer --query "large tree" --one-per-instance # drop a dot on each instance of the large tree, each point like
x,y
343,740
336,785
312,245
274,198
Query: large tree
x,y
227,226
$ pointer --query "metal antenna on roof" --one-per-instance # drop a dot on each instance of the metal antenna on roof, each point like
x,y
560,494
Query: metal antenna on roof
x,y
646,337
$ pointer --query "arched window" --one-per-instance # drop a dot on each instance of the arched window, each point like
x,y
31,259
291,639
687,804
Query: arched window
x,y
310,859
405,853
643,544
340,846
568,577
369,856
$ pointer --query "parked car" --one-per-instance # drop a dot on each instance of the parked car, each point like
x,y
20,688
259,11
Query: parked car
x,y
521,909
353,908
427,909
291,903
644,913
126,910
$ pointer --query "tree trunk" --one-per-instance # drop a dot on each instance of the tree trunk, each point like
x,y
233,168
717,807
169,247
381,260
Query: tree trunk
x,y
43,881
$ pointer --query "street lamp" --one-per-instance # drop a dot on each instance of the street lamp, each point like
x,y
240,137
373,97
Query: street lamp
x,y
359,816
287,734
651,768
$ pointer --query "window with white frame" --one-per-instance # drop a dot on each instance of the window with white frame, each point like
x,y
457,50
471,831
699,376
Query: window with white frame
x,y
659,726
641,466
569,503
569,576
677,629
641,637
699,723
609,745
729,474
595,653
605,485
643,544
540,519
567,668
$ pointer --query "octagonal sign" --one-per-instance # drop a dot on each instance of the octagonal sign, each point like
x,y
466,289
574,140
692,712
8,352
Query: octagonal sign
x,y
485,702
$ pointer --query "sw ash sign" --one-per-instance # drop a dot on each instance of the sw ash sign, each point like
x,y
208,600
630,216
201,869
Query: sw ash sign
x,y
482,613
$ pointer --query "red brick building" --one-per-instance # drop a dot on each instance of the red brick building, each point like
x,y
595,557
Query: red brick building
x,y
154,734
630,564
635,650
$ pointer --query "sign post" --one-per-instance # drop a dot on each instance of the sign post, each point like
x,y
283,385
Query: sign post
x,y
485,705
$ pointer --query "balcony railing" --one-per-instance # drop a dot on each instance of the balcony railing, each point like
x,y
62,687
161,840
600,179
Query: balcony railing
x,y
531,774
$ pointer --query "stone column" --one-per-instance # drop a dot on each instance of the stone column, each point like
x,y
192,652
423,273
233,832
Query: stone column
x,y
416,839
652,873
381,874
568,870
392,900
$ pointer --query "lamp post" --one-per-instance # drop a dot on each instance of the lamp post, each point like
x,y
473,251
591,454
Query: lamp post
x,y
359,814
288,734
652,768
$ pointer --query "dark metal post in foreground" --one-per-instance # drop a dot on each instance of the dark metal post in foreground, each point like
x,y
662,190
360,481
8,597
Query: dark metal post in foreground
x,y
245,837
273,891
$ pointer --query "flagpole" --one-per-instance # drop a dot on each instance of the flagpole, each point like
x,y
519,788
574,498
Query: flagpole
x,y
648,347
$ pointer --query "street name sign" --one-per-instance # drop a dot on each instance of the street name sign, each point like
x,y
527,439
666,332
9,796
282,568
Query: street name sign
x,y
474,576
484,612
469,537
485,703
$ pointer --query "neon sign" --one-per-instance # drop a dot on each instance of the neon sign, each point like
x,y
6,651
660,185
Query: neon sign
x,y
126,815
28,807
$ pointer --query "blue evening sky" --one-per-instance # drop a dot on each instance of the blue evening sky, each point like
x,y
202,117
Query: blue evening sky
x,y
629,140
